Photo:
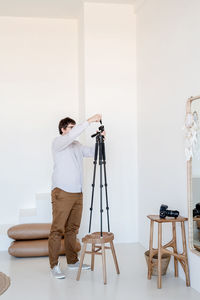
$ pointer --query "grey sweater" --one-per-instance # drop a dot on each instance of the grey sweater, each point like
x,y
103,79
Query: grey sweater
x,y
68,160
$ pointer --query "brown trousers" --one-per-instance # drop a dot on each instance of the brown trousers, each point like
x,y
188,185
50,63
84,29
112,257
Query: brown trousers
x,y
67,212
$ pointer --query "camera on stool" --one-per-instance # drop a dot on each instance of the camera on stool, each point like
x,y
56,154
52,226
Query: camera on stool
x,y
196,210
164,212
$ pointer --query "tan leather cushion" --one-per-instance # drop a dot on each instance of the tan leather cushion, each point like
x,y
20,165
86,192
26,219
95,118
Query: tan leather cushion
x,y
29,231
32,248
35,248
32,240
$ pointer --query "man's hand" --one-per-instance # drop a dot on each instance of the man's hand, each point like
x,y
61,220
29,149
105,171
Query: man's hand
x,y
95,118
103,133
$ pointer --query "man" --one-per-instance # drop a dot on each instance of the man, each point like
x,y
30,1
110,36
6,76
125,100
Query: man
x,y
66,193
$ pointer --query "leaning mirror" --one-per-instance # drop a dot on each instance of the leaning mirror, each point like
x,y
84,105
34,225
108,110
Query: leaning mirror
x,y
192,151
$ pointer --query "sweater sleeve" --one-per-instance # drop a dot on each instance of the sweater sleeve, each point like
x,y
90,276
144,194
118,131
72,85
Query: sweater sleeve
x,y
87,151
63,141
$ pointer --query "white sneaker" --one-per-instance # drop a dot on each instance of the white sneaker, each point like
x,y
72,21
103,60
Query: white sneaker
x,y
57,273
76,266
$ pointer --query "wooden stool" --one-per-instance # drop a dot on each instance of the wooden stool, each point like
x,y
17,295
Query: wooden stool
x,y
98,243
182,257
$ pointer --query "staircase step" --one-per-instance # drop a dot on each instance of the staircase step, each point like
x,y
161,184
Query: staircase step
x,y
28,215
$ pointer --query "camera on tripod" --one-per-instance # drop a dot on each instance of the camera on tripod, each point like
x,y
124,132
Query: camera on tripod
x,y
196,210
101,129
164,212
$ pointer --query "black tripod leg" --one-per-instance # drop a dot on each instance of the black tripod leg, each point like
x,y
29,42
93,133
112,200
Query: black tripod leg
x,y
106,190
101,186
93,183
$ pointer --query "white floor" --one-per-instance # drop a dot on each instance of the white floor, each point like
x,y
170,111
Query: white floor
x,y
30,279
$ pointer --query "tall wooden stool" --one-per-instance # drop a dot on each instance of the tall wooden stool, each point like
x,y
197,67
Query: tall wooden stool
x,y
181,257
98,244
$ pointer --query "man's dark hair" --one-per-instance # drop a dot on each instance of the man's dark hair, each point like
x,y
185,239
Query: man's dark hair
x,y
64,123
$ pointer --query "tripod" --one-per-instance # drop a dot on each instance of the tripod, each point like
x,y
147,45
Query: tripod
x,y
100,149
97,240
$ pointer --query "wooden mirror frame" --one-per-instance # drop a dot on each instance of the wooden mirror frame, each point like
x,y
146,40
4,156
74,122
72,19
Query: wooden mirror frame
x,y
189,188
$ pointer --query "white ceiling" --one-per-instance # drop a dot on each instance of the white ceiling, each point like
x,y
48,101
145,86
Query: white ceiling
x,y
47,8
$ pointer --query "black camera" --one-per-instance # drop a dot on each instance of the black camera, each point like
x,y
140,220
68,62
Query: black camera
x,y
196,210
164,212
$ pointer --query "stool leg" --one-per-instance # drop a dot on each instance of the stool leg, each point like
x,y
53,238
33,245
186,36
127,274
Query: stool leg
x,y
92,257
81,261
159,254
150,250
185,254
104,263
175,249
114,257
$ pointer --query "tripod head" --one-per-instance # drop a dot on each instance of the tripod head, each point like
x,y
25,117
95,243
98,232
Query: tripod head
x,y
98,133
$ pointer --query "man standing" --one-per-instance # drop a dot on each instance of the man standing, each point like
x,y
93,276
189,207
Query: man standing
x,y
66,193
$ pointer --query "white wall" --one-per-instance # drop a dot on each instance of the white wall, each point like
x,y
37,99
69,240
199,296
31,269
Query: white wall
x,y
168,73
110,89
53,68
38,87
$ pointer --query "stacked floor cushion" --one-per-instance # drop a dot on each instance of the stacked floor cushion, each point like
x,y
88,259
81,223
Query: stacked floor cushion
x,y
32,240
